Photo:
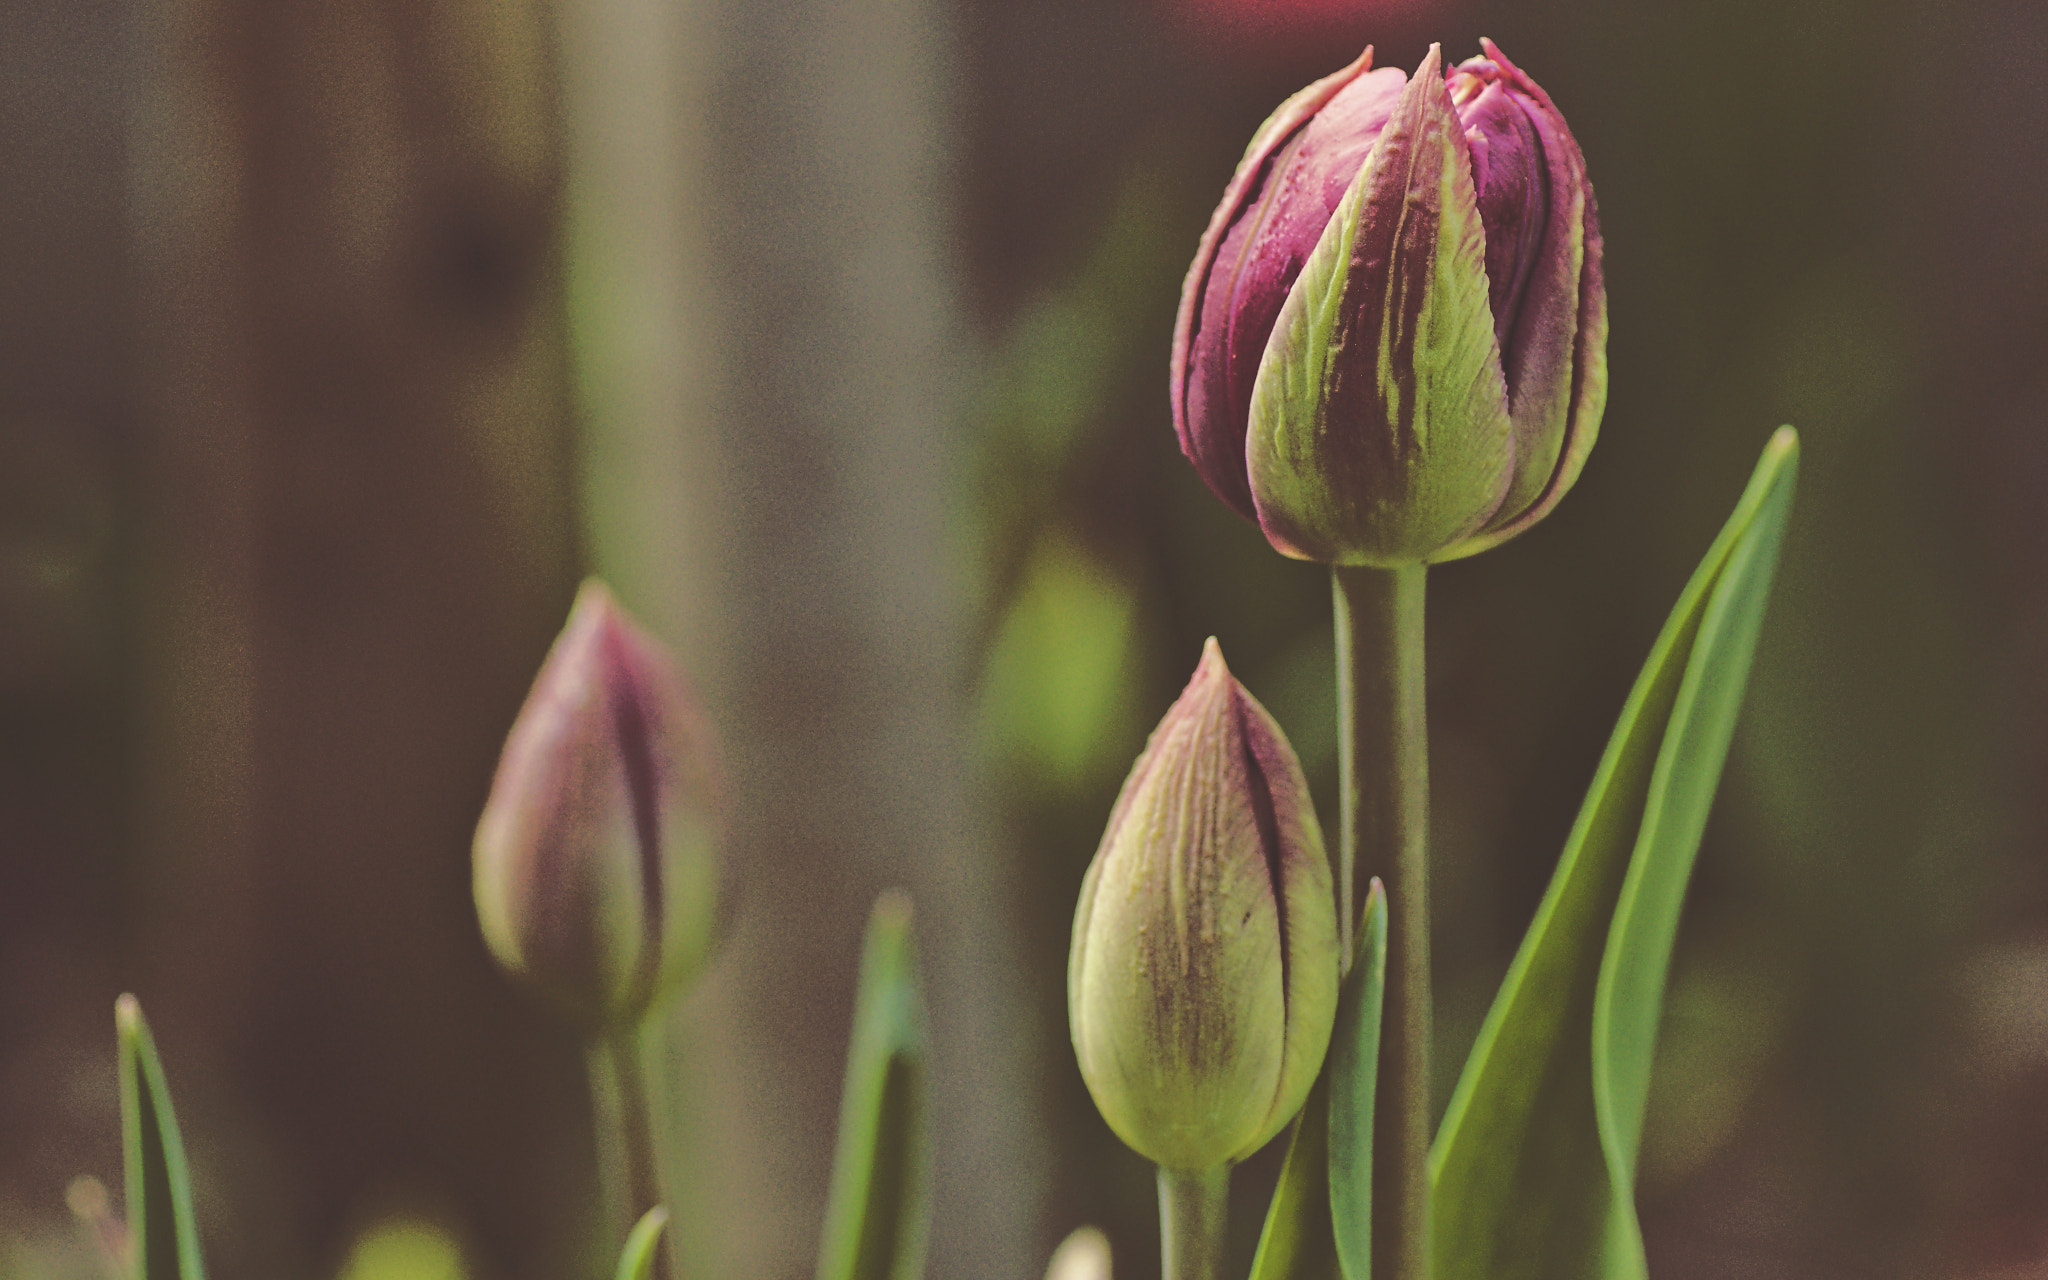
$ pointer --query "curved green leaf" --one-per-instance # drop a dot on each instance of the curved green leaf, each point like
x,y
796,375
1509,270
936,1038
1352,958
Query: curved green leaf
x,y
636,1260
1533,1172
1296,1243
875,1222
161,1230
1354,1073
1322,1208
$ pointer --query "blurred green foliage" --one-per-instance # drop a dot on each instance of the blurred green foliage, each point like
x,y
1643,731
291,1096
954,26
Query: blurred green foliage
x,y
404,1248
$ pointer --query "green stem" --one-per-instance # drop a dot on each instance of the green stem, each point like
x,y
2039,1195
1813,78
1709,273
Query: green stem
x,y
1383,750
628,1175
1191,1208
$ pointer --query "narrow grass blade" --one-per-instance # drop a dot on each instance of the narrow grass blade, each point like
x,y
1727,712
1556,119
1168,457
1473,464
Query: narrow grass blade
x,y
162,1232
1322,1208
1533,1170
1354,1071
643,1243
875,1222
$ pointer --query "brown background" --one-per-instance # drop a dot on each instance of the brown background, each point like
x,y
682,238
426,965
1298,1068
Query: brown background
x,y
310,318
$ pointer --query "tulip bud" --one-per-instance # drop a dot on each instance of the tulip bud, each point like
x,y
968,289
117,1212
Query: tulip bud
x,y
595,869
1203,977
1391,346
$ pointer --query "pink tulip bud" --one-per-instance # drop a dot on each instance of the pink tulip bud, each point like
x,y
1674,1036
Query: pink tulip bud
x,y
1392,343
595,858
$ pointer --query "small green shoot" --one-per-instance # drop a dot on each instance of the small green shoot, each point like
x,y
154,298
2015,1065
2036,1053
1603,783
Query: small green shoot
x,y
643,1245
161,1228
875,1222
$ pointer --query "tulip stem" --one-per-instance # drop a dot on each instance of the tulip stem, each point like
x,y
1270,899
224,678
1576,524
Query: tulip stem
x,y
628,1175
1383,764
1191,1209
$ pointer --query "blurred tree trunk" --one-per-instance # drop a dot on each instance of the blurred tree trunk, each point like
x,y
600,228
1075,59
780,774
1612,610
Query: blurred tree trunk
x,y
354,544
821,425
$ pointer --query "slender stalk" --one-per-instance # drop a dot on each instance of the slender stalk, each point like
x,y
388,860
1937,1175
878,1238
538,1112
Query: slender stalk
x,y
1191,1208
628,1175
1383,750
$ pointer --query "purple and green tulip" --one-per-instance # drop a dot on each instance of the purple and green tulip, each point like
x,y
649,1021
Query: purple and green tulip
x,y
595,863
1391,346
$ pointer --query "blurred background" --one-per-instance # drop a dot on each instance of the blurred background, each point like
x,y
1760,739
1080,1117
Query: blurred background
x,y
337,340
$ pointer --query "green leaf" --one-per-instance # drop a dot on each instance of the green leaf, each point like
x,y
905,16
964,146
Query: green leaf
x,y
1533,1172
1354,1072
161,1229
1322,1207
636,1260
875,1222
1296,1242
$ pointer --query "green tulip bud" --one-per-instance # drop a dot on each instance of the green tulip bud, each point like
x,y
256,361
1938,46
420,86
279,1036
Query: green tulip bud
x,y
595,868
1203,977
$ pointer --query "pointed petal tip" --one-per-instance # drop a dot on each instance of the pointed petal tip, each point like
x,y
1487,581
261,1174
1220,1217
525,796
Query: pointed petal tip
x,y
1516,75
1429,86
594,612
593,594
598,605
1212,679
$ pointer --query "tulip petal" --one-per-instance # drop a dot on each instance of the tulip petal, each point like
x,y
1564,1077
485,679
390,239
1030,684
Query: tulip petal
x,y
1210,428
1557,353
1380,430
